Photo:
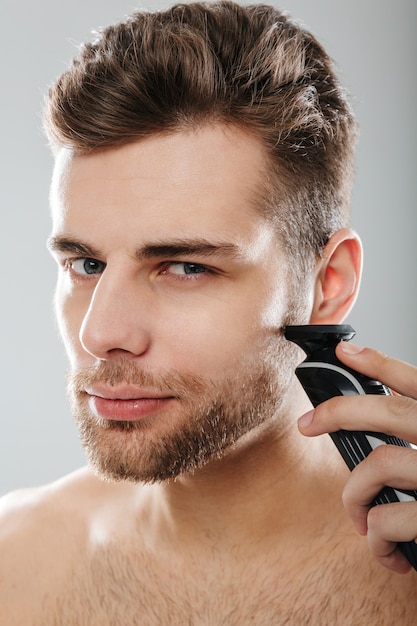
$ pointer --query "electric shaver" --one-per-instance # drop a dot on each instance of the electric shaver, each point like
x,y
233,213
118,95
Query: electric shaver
x,y
323,376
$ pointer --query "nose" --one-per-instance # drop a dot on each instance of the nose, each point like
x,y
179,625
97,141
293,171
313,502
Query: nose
x,y
115,320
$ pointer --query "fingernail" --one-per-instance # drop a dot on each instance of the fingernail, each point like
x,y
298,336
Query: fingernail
x,y
350,348
306,419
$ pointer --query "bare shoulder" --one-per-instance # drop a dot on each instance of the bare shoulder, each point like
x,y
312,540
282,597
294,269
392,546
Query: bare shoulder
x,y
25,509
38,516
42,531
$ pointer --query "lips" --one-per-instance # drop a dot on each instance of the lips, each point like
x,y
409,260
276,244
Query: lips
x,y
127,403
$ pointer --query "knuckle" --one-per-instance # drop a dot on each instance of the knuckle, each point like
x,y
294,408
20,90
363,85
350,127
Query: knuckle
x,y
380,362
402,407
330,408
376,517
381,457
384,359
383,463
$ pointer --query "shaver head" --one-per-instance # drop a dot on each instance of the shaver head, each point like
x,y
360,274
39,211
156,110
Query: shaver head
x,y
318,336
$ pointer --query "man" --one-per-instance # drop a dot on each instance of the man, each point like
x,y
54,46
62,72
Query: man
x,y
200,197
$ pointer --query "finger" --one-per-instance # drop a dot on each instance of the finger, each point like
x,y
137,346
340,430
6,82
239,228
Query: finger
x,y
390,557
392,523
389,524
386,465
393,415
396,374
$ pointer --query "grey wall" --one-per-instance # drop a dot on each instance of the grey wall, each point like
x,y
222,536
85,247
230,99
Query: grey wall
x,y
373,42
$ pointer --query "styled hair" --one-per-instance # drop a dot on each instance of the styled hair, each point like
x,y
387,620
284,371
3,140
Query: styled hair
x,y
220,62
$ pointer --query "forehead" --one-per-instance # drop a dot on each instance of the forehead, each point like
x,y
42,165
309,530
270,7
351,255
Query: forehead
x,y
210,178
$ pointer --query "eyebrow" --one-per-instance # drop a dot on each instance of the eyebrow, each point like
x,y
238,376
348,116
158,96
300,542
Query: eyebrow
x,y
185,247
170,249
74,246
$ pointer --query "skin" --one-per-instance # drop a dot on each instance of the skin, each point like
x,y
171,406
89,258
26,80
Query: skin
x,y
146,309
261,520
385,525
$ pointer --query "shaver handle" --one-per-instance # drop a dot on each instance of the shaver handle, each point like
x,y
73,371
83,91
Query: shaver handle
x,y
324,380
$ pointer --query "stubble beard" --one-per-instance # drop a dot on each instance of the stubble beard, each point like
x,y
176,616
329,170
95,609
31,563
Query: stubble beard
x,y
208,419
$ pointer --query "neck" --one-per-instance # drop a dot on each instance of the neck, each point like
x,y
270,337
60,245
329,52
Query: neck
x,y
274,480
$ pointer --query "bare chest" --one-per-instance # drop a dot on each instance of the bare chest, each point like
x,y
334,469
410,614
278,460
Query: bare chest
x,y
114,587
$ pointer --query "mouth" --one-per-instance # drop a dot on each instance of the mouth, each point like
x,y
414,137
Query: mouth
x,y
126,404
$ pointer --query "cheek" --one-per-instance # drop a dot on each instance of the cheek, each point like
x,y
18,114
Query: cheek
x,y
274,308
69,318
217,339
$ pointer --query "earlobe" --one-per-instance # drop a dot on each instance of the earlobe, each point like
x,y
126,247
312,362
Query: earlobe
x,y
338,277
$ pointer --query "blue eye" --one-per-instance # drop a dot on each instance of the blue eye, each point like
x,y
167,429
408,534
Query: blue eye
x,y
187,268
87,266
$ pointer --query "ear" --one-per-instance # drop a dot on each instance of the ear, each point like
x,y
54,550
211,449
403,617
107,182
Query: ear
x,y
338,275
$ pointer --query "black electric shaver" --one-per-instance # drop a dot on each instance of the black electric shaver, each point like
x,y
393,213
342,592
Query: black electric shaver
x,y
323,376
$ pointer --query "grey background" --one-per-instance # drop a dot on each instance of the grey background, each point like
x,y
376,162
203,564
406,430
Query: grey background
x,y
373,43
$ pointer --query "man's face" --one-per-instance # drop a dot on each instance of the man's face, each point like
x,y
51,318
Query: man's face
x,y
171,296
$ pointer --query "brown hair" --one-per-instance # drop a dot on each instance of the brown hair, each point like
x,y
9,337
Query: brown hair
x,y
251,66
